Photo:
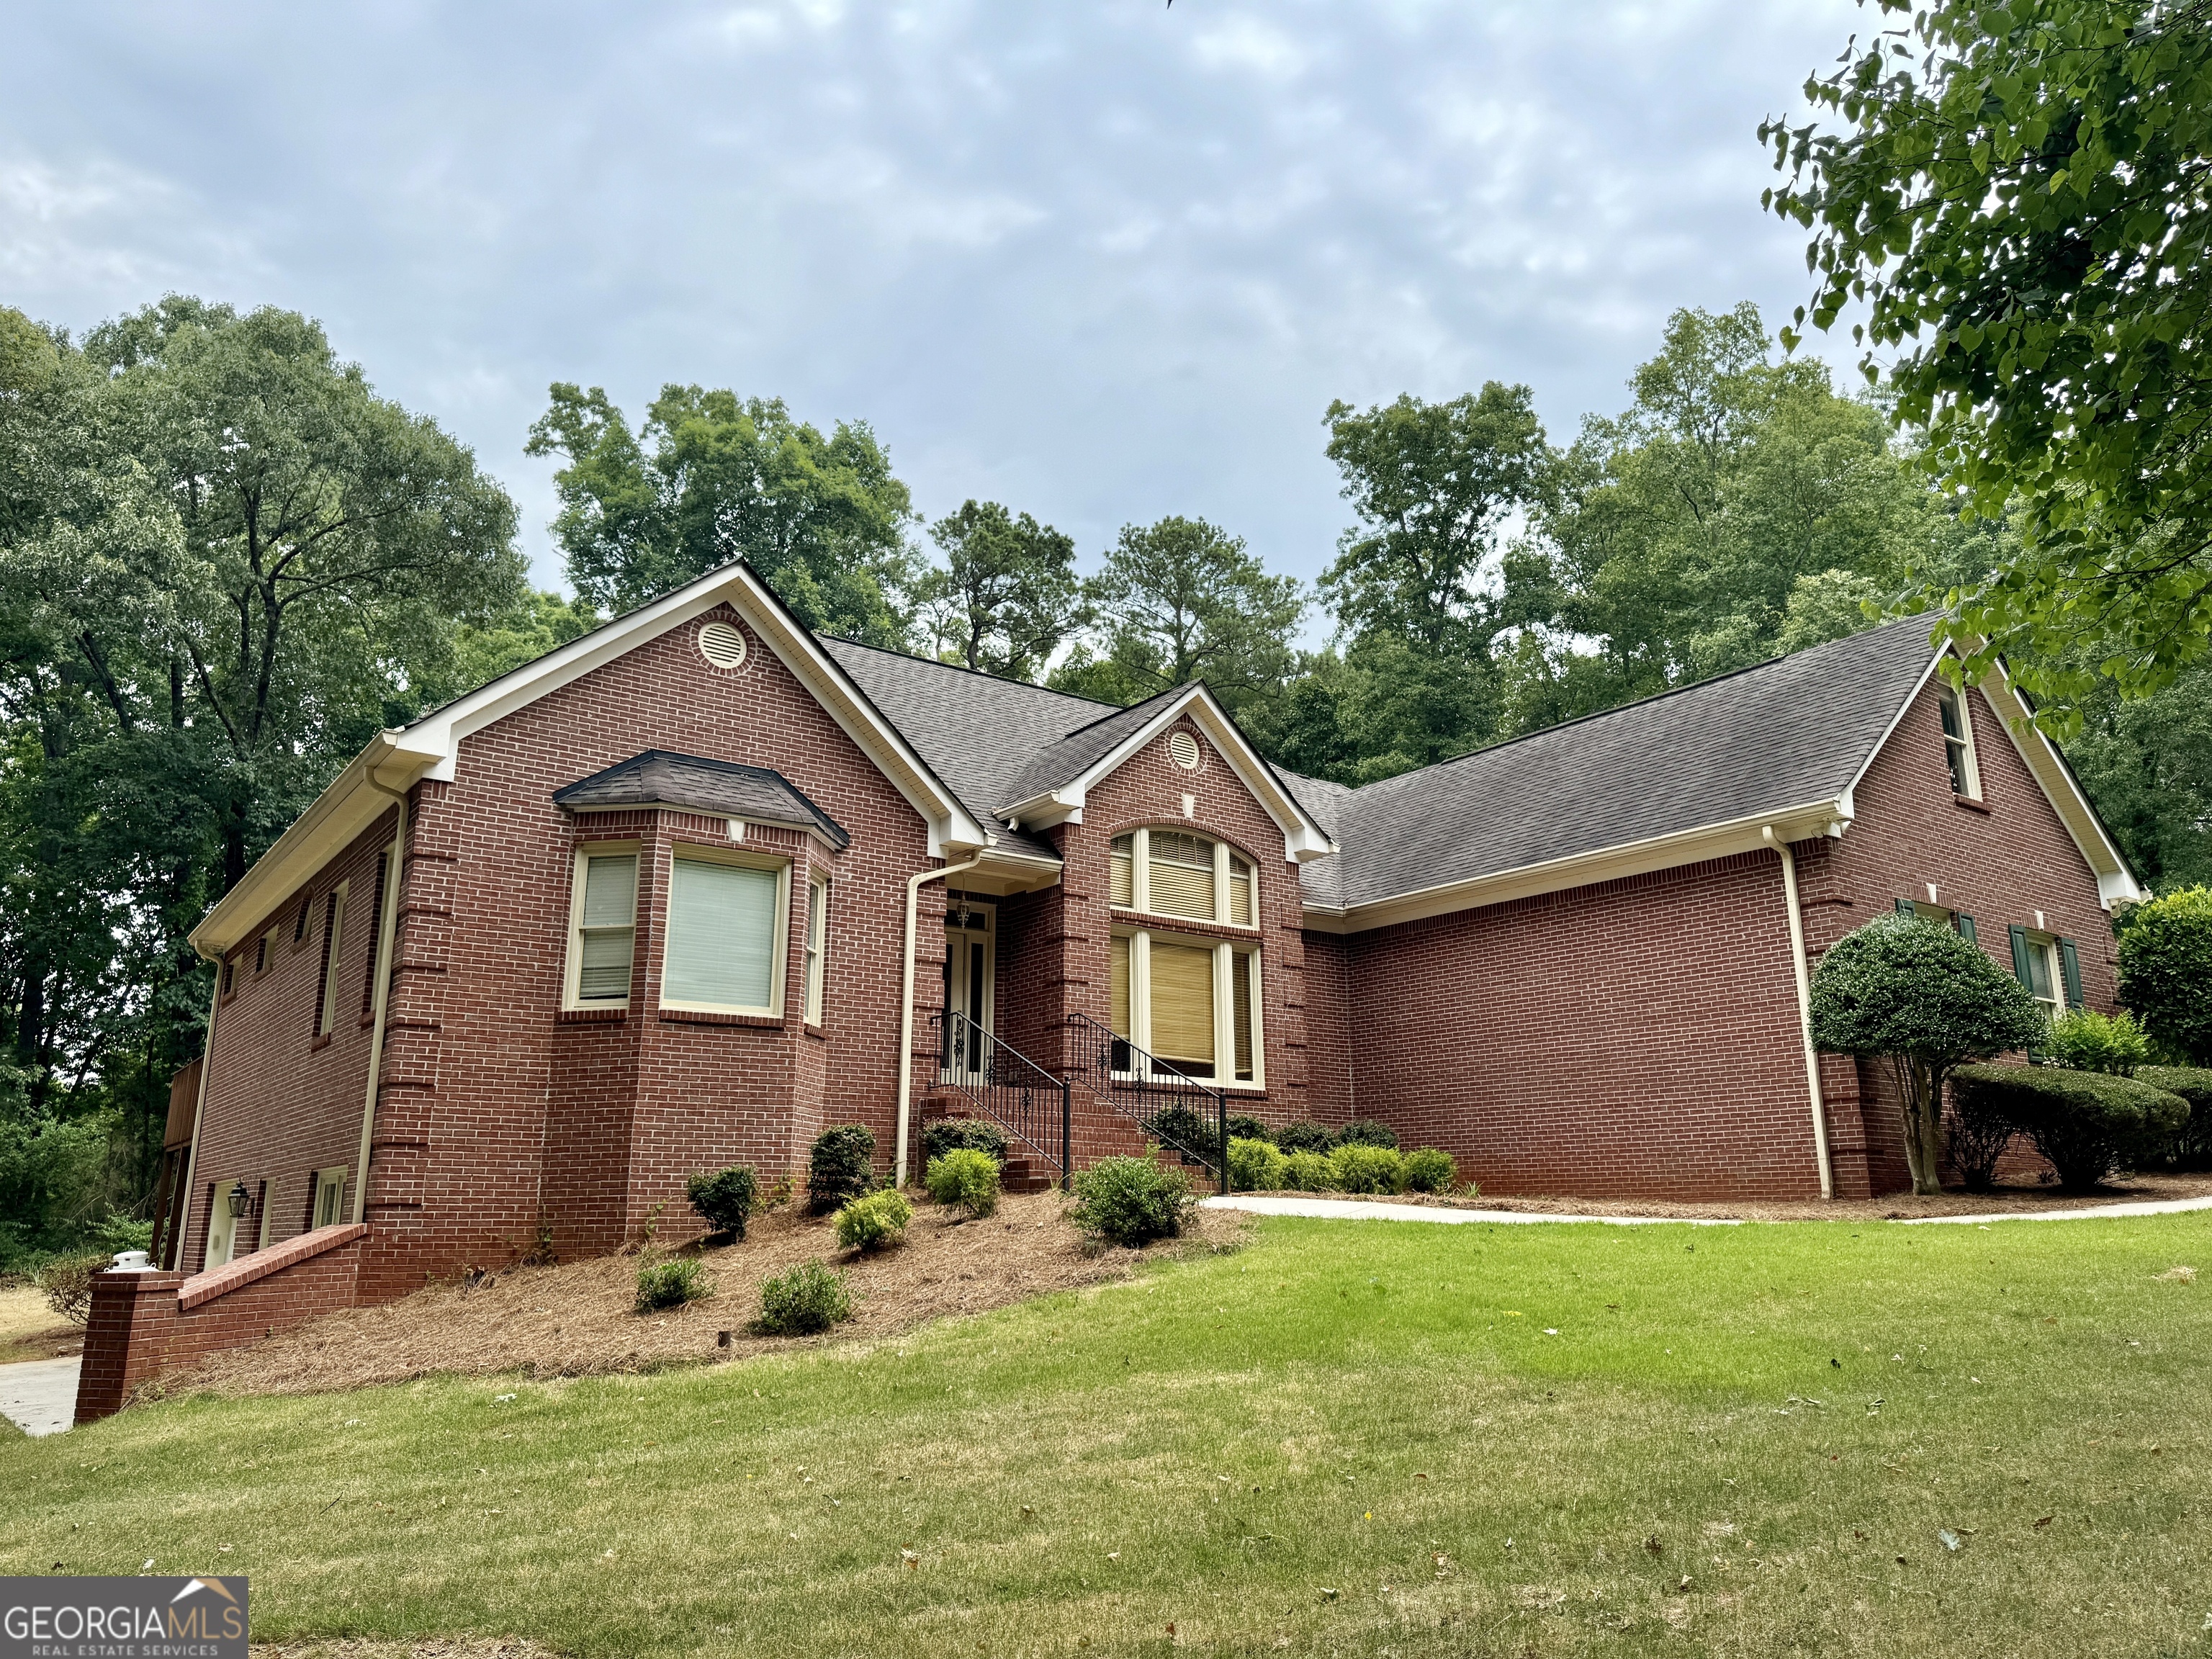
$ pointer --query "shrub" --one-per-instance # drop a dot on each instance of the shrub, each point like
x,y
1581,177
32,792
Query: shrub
x,y
2191,1147
672,1284
965,1177
1308,1172
974,1134
2165,972
66,1282
121,1232
841,1168
1980,1131
1915,994
1184,1131
811,1298
1131,1201
1428,1171
1362,1168
725,1198
2091,1041
878,1219
2087,1123
1305,1136
1255,1165
1243,1127
1366,1132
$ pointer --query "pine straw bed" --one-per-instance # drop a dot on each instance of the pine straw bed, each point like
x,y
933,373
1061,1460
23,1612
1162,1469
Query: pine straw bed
x,y
576,1319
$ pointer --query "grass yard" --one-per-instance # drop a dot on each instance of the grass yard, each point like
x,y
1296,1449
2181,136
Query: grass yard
x,y
1344,1438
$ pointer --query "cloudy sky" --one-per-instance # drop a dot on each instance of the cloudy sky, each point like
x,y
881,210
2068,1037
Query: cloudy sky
x,y
1101,259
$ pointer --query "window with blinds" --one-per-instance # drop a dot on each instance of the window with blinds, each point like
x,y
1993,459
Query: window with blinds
x,y
1180,867
1240,990
1182,1007
724,938
1118,1012
1172,872
606,916
1191,1005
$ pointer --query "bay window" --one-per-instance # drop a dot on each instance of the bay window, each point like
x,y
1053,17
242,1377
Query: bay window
x,y
602,927
726,927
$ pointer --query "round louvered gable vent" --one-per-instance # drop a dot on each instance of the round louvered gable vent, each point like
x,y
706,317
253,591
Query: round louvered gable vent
x,y
722,645
1183,750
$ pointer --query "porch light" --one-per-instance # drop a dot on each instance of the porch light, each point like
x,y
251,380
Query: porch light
x,y
240,1199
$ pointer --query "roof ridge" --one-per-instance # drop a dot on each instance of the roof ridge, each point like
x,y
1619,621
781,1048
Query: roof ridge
x,y
1638,702
975,673
1116,710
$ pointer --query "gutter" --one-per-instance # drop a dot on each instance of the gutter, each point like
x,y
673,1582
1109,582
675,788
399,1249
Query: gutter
x,y
387,946
1804,1007
913,886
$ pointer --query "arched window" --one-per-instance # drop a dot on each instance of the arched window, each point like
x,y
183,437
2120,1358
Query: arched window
x,y
1171,873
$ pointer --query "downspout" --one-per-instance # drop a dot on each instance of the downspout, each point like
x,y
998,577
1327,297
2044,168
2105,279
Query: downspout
x,y
176,1250
1804,1007
913,885
386,943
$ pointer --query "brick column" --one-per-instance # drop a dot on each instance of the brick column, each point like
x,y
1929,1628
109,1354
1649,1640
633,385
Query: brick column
x,y
126,1340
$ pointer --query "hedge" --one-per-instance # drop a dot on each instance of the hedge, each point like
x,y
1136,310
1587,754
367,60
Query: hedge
x,y
2087,1123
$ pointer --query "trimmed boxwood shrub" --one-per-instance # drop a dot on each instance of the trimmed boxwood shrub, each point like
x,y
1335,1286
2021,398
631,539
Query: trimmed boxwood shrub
x,y
1366,1132
1428,1171
973,1135
672,1284
2165,972
840,1168
2087,1123
811,1298
1131,1201
725,1198
2192,1143
1241,1128
1255,1165
966,1178
1360,1167
1305,1136
874,1222
1308,1172
1182,1130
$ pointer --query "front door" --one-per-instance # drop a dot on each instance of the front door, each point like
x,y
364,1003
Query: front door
x,y
970,966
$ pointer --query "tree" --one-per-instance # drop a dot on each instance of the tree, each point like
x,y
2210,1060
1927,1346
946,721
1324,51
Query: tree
x,y
537,624
2020,206
2166,970
1915,994
2148,764
713,478
1007,595
1183,601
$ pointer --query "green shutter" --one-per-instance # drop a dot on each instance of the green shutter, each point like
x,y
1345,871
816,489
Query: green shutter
x,y
1904,908
1966,927
2069,969
2020,965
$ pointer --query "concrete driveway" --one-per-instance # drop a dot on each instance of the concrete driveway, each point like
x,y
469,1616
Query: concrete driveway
x,y
39,1395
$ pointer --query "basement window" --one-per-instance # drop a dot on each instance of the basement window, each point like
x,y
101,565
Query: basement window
x,y
1959,742
1192,1004
602,927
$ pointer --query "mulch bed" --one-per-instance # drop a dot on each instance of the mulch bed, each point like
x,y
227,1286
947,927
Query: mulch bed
x,y
576,1319
1892,1206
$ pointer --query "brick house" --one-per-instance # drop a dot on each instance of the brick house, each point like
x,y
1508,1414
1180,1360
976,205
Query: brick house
x,y
698,885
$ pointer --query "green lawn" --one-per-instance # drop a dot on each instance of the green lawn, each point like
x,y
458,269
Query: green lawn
x,y
1346,1438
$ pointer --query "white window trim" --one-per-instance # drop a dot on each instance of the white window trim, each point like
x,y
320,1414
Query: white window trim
x,y
1140,881
334,1177
778,961
1224,993
572,974
327,1014
1962,702
222,1224
817,945
2046,945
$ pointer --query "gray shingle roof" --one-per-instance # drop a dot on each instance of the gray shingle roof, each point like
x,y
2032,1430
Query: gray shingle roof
x,y
1783,733
717,788
1080,751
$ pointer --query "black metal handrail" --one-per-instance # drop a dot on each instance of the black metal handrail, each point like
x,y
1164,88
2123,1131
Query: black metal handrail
x,y
1012,1090
1169,1105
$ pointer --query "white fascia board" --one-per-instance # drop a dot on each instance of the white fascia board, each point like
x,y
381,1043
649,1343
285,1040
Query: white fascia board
x,y
1302,839
349,804
1806,822
953,828
806,827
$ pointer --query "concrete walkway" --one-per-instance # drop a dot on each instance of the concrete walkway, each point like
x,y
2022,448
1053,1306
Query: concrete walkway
x,y
1366,1209
39,1395
1360,1209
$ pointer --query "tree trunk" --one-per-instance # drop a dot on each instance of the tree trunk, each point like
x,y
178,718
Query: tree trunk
x,y
1923,1139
